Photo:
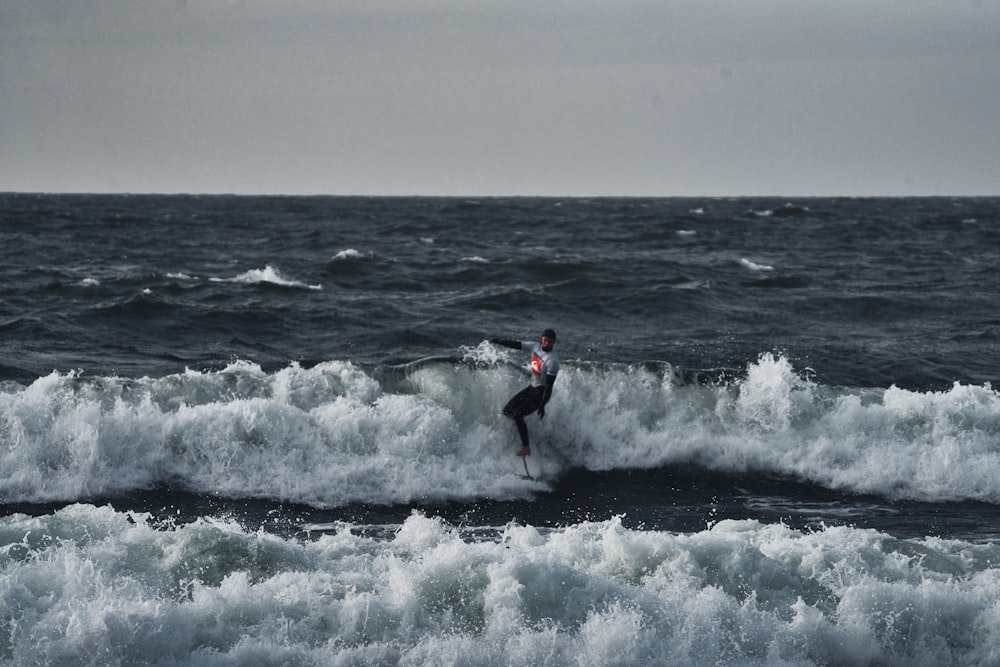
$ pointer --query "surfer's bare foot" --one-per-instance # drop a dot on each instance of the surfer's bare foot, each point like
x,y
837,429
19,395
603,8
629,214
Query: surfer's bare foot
x,y
524,451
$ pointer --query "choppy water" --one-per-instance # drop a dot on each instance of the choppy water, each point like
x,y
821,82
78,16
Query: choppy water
x,y
252,429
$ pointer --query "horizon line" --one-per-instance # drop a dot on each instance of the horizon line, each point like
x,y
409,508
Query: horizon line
x,y
161,193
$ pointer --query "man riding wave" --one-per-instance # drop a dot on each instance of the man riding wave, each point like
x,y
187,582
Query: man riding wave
x,y
534,397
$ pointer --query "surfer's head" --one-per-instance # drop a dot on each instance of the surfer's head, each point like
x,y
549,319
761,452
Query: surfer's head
x,y
548,339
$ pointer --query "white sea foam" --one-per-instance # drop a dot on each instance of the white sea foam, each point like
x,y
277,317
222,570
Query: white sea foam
x,y
338,433
268,274
350,254
754,266
87,584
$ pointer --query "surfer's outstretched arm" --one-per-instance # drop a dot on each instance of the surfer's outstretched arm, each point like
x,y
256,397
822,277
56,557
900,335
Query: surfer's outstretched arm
x,y
513,344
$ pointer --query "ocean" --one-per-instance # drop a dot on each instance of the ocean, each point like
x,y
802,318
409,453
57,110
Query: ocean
x,y
249,430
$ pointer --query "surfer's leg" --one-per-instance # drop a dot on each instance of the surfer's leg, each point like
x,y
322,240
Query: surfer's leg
x,y
519,404
522,429
523,403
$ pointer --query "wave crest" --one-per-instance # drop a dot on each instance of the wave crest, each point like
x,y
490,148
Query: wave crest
x,y
339,432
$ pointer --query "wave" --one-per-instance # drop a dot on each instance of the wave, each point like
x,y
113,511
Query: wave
x,y
789,210
340,432
88,580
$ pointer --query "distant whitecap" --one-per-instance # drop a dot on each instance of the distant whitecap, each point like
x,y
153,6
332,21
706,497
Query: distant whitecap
x,y
753,266
268,274
350,253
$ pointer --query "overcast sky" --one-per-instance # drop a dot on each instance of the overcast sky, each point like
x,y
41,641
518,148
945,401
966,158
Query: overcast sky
x,y
500,97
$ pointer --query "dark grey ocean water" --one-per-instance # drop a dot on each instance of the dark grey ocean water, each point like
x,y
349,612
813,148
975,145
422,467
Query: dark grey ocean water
x,y
866,292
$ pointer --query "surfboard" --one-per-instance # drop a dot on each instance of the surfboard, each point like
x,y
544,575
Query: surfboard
x,y
528,466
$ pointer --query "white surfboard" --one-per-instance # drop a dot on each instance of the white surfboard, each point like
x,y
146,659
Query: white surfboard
x,y
529,466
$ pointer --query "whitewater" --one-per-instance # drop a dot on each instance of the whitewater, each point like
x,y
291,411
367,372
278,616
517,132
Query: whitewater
x,y
87,584
340,433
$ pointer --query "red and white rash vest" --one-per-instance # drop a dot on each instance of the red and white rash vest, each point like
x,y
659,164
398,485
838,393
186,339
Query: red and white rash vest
x,y
543,364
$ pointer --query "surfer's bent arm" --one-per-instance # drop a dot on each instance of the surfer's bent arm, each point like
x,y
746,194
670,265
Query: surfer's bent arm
x,y
513,344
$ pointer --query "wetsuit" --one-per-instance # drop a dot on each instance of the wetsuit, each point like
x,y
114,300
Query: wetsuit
x,y
544,368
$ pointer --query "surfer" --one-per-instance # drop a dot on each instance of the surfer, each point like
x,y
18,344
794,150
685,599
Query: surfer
x,y
544,367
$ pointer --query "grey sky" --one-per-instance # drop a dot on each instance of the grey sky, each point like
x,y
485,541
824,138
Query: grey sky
x,y
476,97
